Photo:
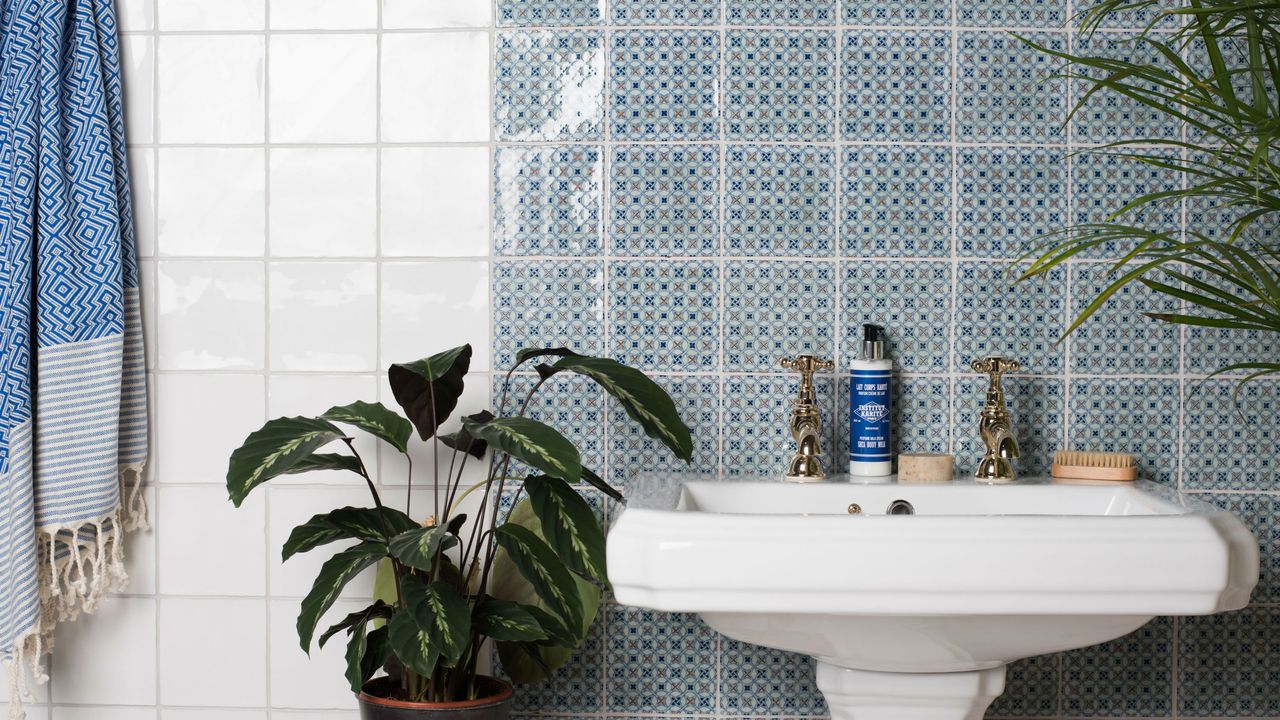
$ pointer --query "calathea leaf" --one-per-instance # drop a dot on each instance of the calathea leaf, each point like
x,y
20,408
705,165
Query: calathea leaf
x,y
334,575
358,618
598,483
527,354
411,644
455,525
558,634
442,619
273,449
536,444
539,565
505,620
348,523
544,371
357,646
644,400
377,650
463,441
376,419
428,389
325,461
569,525
418,548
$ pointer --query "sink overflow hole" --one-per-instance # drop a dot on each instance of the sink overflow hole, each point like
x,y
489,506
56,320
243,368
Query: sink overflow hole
x,y
900,507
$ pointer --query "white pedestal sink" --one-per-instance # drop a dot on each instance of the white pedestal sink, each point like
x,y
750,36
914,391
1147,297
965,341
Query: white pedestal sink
x,y
916,616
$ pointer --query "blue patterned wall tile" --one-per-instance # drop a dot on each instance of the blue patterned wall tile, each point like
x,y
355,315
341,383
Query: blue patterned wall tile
x,y
659,662
1261,513
756,409
1103,183
665,12
1030,690
547,302
1131,676
1229,445
664,316
921,410
540,13
1008,198
1207,350
665,200
1119,339
897,201
777,309
1108,116
907,12
547,200
896,85
1138,416
571,404
1229,664
1036,405
549,85
911,300
779,200
1004,93
1013,13
663,85
779,85
781,12
698,403
760,681
996,317
1206,217
576,687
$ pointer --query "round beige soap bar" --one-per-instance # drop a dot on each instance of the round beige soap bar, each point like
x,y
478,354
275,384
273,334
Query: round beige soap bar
x,y
924,468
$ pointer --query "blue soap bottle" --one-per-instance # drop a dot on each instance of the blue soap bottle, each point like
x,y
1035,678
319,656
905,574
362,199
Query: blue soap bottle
x,y
870,448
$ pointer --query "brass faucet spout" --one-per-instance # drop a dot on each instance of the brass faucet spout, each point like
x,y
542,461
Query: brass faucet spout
x,y
806,421
995,426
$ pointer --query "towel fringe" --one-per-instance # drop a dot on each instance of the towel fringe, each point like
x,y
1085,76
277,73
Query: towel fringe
x,y
78,565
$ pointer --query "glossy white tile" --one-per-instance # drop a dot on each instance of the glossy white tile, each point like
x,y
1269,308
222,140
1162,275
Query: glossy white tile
x,y
99,712
136,15
211,88
213,652
432,306
147,278
189,563
323,88
435,14
211,14
142,188
212,202
210,315
435,202
324,14
211,714
138,62
302,681
435,87
140,551
120,628
200,419
323,202
323,316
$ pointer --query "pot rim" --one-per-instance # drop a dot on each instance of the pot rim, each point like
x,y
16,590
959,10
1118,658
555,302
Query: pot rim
x,y
504,693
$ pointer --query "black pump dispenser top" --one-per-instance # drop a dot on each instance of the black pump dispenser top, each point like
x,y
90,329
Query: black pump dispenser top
x,y
872,342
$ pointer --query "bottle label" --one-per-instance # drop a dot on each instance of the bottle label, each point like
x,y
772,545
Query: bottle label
x,y
869,416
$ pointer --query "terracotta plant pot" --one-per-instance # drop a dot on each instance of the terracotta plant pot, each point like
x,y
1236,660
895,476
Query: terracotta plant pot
x,y
494,705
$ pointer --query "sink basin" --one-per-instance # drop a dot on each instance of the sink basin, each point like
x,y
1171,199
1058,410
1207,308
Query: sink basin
x,y
916,615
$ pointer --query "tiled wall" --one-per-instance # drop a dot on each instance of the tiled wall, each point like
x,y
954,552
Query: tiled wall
x,y
698,187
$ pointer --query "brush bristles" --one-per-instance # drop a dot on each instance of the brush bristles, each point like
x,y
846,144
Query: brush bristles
x,y
1082,458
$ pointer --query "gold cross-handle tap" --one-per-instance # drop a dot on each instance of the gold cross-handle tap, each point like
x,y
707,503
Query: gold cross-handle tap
x,y
806,420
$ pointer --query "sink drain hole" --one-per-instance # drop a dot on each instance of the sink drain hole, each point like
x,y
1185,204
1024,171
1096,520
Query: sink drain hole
x,y
900,507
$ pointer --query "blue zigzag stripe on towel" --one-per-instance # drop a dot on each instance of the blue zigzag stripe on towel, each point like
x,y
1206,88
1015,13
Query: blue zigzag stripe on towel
x,y
72,375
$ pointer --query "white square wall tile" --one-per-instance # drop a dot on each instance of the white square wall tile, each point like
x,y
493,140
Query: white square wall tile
x,y
140,551
210,315
214,714
435,87
136,15
324,202
107,713
435,13
428,307
119,628
309,395
200,419
142,190
211,14
147,279
324,88
435,202
324,316
292,506
324,14
213,652
212,202
315,681
211,88
207,546
138,61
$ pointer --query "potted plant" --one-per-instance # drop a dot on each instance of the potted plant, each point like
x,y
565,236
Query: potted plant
x,y
528,579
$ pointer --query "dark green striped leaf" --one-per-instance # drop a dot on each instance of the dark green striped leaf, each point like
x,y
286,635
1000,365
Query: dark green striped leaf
x,y
536,444
325,461
545,572
273,450
506,620
376,419
569,525
418,547
334,575
348,523
359,618
644,400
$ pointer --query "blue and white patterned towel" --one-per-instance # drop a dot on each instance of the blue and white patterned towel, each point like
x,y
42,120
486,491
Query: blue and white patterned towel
x,y
73,423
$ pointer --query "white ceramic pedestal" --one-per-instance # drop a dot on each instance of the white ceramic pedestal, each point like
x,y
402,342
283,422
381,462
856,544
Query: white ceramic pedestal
x,y
867,695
